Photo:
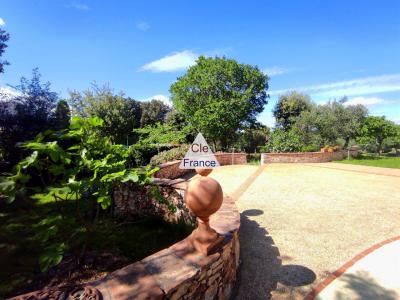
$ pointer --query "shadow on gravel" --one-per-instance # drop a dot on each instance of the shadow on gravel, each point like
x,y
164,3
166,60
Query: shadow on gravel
x,y
261,271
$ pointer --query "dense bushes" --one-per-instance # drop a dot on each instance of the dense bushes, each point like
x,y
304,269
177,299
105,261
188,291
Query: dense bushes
x,y
169,155
284,141
77,164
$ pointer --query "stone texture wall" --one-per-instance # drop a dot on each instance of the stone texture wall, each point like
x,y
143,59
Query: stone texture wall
x,y
171,169
305,157
180,272
135,201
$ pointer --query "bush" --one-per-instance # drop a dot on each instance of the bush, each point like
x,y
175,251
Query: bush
x,y
284,141
310,148
169,155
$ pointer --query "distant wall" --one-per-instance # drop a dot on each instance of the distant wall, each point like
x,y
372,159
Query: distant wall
x,y
305,157
171,169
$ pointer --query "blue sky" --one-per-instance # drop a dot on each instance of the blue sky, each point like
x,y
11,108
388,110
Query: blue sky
x,y
325,48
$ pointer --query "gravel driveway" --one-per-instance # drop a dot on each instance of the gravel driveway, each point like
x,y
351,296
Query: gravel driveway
x,y
300,222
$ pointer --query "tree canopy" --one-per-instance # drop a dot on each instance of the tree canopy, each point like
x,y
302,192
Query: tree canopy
x,y
289,107
219,96
4,37
376,129
153,112
120,115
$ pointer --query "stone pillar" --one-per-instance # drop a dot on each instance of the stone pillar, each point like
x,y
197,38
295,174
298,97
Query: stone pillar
x,y
204,197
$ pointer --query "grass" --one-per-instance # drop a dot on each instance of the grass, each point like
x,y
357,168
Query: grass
x,y
20,245
374,161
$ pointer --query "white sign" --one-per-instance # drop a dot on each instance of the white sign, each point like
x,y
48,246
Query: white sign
x,y
199,155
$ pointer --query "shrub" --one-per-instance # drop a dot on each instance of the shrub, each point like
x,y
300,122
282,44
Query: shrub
x,y
76,164
284,141
310,148
169,155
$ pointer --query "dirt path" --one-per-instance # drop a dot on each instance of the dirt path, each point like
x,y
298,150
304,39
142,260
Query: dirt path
x,y
302,222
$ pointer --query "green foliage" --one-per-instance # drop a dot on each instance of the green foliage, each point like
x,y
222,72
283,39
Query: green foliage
x,y
161,134
28,112
121,115
284,141
76,164
62,115
153,112
289,107
4,37
219,96
376,130
169,155
250,139
325,124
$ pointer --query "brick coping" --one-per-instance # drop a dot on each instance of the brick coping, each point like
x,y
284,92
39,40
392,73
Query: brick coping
x,y
318,289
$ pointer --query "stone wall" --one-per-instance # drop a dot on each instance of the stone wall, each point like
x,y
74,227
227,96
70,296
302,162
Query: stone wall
x,y
180,272
171,169
135,201
305,157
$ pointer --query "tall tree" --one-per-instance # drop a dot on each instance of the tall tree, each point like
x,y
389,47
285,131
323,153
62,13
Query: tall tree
x,y
376,130
62,115
4,37
289,107
219,96
153,112
121,115
26,113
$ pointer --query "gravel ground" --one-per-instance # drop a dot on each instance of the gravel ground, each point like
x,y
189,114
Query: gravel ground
x,y
302,221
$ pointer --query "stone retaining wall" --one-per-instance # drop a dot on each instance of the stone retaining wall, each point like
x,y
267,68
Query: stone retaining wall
x,y
176,273
171,169
180,272
305,157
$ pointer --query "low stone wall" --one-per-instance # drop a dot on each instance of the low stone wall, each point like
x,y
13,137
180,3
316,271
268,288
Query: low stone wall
x,y
133,201
180,272
176,273
171,169
305,157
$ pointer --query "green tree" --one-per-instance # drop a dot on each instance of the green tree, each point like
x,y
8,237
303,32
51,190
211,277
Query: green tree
x,y
250,139
328,122
219,96
26,113
376,130
289,107
120,115
153,112
284,141
4,37
62,115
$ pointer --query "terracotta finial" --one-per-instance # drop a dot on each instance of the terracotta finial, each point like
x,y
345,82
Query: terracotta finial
x,y
203,172
204,197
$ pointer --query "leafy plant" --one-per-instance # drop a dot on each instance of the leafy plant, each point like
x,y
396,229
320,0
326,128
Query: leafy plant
x,y
75,164
169,155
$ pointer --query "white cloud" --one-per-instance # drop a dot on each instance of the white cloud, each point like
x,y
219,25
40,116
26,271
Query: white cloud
x,y
172,62
142,25
2,22
359,86
160,97
80,6
7,93
367,101
274,71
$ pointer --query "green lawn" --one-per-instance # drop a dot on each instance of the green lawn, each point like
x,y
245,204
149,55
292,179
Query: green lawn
x,y
374,161
113,243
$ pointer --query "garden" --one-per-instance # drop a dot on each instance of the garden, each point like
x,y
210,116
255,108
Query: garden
x,y
61,161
